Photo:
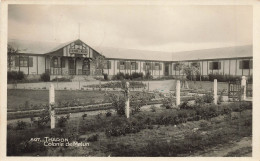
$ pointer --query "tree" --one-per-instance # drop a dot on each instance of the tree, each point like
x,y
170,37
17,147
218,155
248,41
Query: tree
x,y
11,52
192,71
183,78
100,62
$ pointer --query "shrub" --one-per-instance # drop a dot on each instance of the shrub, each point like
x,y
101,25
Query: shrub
x,y
108,114
136,75
31,146
105,76
62,121
21,125
208,97
45,77
15,76
153,108
199,100
148,75
93,138
168,102
223,78
61,80
185,106
220,98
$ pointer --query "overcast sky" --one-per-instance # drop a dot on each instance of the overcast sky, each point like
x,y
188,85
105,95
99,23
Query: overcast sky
x,y
158,28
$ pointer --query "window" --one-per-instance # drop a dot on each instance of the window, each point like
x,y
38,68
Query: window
x,y
245,64
134,66
23,61
197,65
107,65
215,65
122,65
56,62
156,66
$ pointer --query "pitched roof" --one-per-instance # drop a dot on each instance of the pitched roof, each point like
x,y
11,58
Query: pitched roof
x,y
215,53
121,53
32,47
37,47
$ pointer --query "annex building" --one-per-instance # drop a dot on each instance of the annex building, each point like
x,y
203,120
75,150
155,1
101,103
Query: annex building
x,y
76,58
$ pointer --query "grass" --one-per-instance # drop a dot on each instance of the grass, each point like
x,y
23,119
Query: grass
x,y
206,85
18,97
160,140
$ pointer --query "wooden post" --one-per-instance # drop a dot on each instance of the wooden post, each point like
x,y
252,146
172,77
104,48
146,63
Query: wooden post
x,y
215,91
243,85
178,93
51,104
127,104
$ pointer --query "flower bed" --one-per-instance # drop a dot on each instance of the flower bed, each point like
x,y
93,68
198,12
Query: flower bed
x,y
118,85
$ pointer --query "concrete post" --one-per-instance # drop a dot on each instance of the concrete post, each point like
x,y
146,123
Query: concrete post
x,y
51,103
127,106
215,91
243,85
178,93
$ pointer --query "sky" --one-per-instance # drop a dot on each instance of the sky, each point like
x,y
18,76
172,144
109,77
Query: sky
x,y
144,27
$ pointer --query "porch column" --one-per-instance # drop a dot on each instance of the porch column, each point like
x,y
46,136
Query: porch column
x,y
51,65
75,65
60,65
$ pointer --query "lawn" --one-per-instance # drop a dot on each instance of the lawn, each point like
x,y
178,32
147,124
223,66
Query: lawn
x,y
157,136
17,98
20,98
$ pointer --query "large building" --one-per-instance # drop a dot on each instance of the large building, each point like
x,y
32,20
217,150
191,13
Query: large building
x,y
76,58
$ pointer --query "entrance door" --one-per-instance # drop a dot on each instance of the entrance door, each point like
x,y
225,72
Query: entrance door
x,y
86,67
71,67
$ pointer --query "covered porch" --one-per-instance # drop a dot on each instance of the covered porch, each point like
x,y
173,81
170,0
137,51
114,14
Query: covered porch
x,y
59,65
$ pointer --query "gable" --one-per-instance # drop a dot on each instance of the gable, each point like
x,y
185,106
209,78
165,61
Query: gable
x,y
76,48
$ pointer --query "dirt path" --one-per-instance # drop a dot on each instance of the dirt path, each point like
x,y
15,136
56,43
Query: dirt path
x,y
242,148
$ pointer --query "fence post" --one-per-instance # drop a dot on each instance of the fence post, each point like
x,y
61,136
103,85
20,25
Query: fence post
x,y
215,91
51,104
178,93
127,104
243,85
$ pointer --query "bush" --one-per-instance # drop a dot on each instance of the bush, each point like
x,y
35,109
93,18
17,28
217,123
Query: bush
x,y
61,79
118,102
185,106
223,78
93,138
153,108
148,75
21,125
45,77
108,114
105,76
168,102
208,97
62,121
15,76
136,75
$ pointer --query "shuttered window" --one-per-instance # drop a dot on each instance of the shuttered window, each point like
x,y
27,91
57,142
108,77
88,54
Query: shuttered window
x,y
63,62
107,65
128,65
25,61
134,66
215,65
156,66
245,64
122,65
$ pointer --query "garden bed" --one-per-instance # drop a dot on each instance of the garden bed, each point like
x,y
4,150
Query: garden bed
x,y
164,132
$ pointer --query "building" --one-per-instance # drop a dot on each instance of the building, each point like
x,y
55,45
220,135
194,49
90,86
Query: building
x,y
78,58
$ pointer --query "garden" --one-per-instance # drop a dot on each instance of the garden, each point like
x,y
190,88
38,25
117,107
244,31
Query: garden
x,y
166,131
156,127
